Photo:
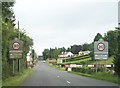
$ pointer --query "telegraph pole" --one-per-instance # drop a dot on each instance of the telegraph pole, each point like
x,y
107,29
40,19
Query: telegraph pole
x,y
19,39
18,31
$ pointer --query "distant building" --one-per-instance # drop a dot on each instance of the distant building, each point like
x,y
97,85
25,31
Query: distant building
x,y
84,52
65,54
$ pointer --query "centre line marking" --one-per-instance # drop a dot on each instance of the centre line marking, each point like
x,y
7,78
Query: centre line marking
x,y
58,76
68,82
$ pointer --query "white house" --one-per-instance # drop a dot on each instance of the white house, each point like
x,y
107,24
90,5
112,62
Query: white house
x,y
65,54
84,52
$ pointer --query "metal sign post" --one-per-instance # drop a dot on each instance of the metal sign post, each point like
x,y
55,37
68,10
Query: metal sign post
x,y
105,65
16,52
96,66
13,67
100,51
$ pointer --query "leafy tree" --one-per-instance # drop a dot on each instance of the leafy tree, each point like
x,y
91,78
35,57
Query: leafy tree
x,y
7,12
51,53
87,46
56,53
117,56
68,49
63,49
111,37
46,54
76,48
97,37
9,32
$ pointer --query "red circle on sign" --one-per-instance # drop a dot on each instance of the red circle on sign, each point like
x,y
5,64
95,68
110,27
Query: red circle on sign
x,y
16,45
101,46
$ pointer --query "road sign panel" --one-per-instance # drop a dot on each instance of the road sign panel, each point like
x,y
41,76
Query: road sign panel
x,y
15,49
16,45
101,56
100,46
101,49
15,54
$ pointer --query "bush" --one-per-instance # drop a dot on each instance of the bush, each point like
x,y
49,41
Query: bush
x,y
84,70
89,70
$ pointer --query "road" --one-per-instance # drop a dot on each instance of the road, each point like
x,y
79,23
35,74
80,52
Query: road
x,y
44,75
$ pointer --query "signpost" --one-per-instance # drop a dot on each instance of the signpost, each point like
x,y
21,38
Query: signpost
x,y
16,45
100,50
15,51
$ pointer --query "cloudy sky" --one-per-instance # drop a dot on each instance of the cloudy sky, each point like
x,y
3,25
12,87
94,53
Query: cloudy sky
x,y
58,23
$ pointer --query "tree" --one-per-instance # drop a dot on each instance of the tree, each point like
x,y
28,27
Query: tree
x,y
117,56
51,53
111,37
68,49
7,12
97,37
46,54
56,53
63,49
9,32
76,48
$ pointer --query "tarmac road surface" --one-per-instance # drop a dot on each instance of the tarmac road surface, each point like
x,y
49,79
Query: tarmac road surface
x,y
44,75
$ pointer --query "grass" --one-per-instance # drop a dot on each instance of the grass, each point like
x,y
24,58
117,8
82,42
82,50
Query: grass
x,y
88,61
100,76
18,79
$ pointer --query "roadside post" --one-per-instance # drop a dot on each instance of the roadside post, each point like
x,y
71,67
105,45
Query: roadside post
x,y
100,51
15,51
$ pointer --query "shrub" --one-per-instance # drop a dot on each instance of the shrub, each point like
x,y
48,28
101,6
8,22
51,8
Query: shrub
x,y
87,70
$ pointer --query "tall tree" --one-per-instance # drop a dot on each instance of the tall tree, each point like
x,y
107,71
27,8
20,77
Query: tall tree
x,y
111,37
68,49
76,48
46,54
9,32
117,57
97,37
7,12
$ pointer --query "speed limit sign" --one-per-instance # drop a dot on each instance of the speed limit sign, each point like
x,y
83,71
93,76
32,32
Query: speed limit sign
x,y
16,45
101,46
15,49
100,49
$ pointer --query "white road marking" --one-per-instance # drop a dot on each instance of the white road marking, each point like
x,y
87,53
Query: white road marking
x,y
58,76
68,82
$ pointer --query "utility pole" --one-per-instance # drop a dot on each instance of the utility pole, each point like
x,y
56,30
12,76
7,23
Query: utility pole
x,y
18,31
19,39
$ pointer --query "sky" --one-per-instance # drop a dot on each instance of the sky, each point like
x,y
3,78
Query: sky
x,y
58,23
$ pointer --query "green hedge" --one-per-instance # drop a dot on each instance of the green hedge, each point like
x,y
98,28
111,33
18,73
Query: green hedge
x,y
77,58
87,70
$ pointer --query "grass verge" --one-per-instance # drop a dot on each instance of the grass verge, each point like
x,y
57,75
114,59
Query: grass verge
x,y
100,76
17,79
